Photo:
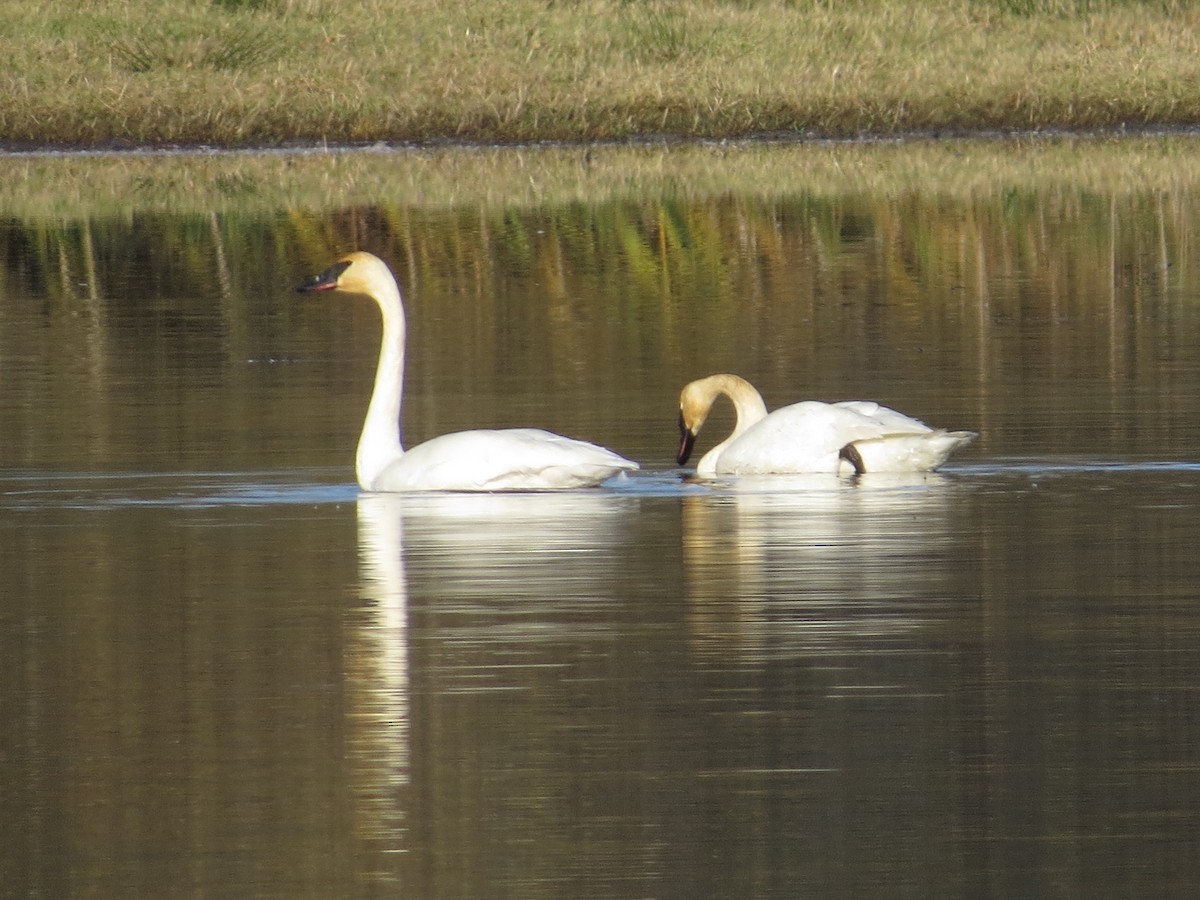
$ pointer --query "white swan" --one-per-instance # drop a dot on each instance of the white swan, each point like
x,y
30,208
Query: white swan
x,y
515,459
810,436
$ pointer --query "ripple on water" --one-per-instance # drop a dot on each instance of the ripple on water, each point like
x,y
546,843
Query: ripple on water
x,y
57,490
91,491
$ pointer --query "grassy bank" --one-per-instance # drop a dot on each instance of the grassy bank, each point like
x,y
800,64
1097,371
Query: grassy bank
x,y
250,72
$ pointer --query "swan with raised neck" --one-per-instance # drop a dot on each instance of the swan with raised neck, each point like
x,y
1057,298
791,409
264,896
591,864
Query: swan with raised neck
x,y
514,459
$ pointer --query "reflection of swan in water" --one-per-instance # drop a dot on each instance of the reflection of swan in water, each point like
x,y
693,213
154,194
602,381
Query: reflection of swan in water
x,y
377,676
503,578
513,459
491,598
809,437
538,562
812,563
479,531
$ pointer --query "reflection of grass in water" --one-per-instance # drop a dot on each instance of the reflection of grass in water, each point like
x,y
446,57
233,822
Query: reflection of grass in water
x,y
669,219
48,187
696,255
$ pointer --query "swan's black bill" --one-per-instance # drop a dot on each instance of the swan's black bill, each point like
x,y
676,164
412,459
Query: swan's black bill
x,y
326,281
686,441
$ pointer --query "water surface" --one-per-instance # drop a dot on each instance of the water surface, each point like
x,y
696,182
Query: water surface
x,y
226,671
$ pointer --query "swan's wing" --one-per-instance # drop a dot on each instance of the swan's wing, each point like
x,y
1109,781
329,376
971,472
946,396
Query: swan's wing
x,y
516,459
808,436
888,419
803,437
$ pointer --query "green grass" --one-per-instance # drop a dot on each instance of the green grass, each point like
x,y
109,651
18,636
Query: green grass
x,y
253,72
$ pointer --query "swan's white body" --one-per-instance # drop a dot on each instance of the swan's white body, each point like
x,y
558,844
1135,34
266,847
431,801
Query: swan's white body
x,y
810,436
516,459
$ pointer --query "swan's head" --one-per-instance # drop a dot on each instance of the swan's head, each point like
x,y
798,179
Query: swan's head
x,y
694,403
355,273
697,400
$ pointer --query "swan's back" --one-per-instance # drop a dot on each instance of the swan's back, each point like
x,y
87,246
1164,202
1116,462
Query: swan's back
x,y
884,417
810,436
512,459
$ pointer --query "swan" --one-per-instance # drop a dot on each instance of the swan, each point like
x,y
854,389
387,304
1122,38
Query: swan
x,y
514,459
810,436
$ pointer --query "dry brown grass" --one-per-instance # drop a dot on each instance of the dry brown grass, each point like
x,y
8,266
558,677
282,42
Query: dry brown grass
x,y
272,71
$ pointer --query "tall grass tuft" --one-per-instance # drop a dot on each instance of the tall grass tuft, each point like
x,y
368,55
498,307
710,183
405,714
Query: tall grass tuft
x,y
232,48
659,31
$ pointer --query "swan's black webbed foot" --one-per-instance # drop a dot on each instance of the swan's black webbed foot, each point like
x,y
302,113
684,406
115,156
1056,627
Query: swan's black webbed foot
x,y
851,455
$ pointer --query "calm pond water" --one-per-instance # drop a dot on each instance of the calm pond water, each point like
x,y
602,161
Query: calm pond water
x,y
226,672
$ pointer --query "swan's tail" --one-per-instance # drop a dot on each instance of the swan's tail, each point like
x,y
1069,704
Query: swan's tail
x,y
904,452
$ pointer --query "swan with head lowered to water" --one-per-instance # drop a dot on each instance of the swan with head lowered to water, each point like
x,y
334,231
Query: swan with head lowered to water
x,y
513,459
809,437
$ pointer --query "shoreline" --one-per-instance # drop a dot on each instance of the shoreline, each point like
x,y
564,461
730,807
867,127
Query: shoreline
x,y
14,150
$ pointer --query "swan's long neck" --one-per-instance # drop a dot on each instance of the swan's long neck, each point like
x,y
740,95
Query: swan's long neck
x,y
379,445
748,406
